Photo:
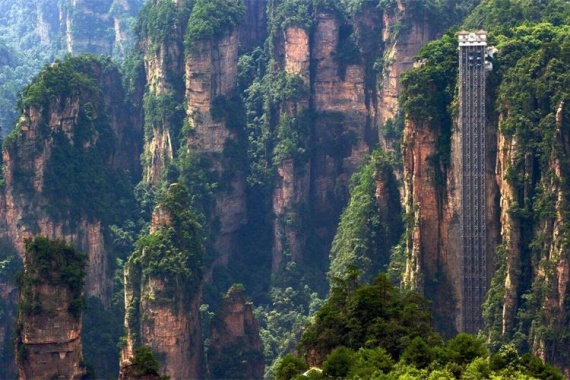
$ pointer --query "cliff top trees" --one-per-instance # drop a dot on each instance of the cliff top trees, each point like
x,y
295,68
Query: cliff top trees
x,y
51,303
173,249
52,263
212,18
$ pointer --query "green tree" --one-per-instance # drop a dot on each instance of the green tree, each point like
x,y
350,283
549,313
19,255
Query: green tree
x,y
338,363
144,362
465,348
289,367
418,353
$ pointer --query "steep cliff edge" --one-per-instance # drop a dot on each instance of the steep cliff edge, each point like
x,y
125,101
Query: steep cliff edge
x,y
163,290
431,169
67,164
68,168
235,349
216,133
48,335
527,300
403,35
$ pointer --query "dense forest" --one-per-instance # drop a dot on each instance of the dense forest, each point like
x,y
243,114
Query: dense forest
x,y
269,189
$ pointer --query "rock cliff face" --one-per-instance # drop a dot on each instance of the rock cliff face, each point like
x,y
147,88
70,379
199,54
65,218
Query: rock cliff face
x,y
343,131
400,51
211,73
553,269
190,115
335,120
292,186
48,336
68,166
431,173
163,62
38,168
86,25
163,291
510,231
533,256
235,348
433,207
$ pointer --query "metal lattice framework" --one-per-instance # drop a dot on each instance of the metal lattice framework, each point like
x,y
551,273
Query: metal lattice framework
x,y
472,49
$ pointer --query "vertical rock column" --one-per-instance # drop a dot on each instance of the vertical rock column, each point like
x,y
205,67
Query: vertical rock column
x,y
235,349
211,72
400,50
90,122
553,265
291,189
163,59
48,336
163,290
343,124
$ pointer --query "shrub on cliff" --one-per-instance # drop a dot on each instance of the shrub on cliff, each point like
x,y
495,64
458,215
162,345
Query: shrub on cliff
x,y
53,263
212,18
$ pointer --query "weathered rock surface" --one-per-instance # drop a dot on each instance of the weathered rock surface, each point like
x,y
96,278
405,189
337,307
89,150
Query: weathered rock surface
x,y
48,336
162,300
211,73
235,345
44,192
400,50
51,341
26,211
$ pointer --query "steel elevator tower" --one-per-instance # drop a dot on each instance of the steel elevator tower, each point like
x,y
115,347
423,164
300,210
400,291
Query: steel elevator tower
x,y
472,69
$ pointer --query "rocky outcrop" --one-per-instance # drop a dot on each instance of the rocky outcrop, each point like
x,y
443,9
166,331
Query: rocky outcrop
x,y
235,348
400,50
432,204
163,291
211,73
86,25
48,336
45,192
433,261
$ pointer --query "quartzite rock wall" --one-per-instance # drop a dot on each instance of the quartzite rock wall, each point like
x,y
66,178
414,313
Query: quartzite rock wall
x,y
162,313
235,332
24,211
211,76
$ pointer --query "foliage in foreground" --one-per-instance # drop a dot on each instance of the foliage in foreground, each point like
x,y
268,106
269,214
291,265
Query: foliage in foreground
x,y
376,331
